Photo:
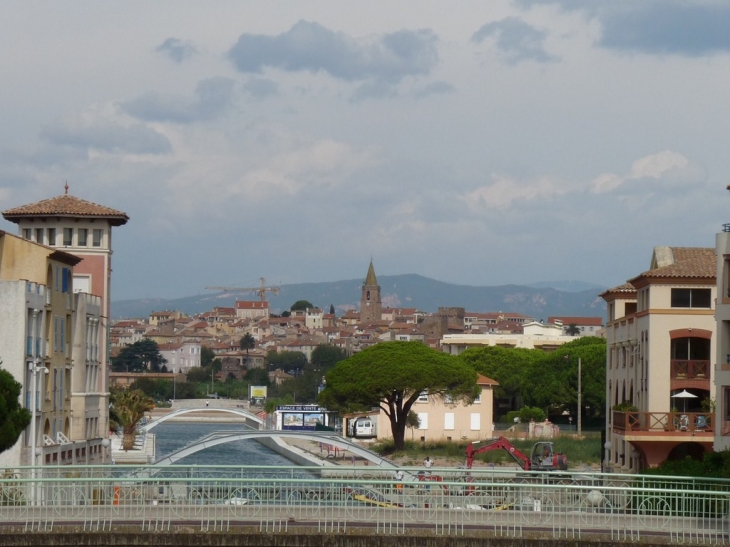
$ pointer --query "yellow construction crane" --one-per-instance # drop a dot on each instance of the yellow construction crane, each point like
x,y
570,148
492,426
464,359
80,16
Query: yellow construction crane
x,y
260,290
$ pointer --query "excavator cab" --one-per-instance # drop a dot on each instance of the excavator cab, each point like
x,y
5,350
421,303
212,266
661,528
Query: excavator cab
x,y
544,457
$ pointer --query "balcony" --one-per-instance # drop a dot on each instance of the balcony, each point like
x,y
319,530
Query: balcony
x,y
683,369
692,423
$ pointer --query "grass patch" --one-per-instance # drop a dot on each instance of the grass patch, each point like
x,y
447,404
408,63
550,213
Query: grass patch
x,y
585,451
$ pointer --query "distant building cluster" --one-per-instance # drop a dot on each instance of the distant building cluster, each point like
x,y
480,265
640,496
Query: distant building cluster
x,y
180,338
57,337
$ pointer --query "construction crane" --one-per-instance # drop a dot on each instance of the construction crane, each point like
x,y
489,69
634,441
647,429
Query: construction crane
x,y
260,290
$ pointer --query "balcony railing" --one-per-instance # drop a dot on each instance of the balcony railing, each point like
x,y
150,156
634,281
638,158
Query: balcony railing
x,y
680,422
683,369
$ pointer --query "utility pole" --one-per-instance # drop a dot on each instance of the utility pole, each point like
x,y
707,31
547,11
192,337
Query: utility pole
x,y
580,396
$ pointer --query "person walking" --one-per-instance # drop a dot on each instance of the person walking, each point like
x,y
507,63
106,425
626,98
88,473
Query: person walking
x,y
428,463
399,479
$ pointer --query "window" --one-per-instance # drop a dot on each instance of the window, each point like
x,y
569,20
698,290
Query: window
x,y
449,420
477,399
476,421
39,235
423,420
691,298
27,233
52,237
97,237
68,235
83,237
423,397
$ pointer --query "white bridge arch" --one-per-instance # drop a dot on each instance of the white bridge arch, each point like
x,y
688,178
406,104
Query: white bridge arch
x,y
181,411
328,437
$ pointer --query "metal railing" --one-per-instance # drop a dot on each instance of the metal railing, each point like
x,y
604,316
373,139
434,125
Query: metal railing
x,y
447,501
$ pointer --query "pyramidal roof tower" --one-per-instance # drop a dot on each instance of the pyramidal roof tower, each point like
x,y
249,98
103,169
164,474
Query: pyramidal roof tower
x,y
371,307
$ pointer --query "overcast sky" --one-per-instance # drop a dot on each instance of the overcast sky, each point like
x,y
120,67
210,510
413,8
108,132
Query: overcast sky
x,y
473,142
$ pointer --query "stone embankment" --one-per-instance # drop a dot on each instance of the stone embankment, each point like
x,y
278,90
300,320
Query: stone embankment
x,y
182,536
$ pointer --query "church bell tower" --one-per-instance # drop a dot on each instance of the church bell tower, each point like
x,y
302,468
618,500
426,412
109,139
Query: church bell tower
x,y
371,308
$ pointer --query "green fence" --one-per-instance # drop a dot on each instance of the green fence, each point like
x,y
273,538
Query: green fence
x,y
446,501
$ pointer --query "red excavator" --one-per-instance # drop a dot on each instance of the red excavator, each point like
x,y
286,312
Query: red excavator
x,y
542,457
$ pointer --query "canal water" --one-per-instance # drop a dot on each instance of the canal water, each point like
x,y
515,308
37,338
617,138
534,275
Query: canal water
x,y
173,436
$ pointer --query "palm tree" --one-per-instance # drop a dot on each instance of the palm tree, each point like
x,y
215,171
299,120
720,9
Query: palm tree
x,y
130,406
572,330
246,343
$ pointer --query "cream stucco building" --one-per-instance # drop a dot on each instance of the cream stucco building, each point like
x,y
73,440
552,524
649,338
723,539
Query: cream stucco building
x,y
660,346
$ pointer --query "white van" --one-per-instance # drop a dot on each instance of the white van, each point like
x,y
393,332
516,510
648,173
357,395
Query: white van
x,y
364,427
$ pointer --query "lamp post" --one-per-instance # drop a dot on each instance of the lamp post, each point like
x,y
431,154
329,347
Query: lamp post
x,y
174,386
580,393
34,368
580,396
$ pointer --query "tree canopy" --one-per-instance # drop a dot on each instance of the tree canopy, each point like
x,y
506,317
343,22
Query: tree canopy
x,y
13,417
392,375
139,357
301,305
286,360
548,380
326,356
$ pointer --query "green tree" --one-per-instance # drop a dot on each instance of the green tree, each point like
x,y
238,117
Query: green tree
x,y
286,360
572,330
301,305
257,377
13,417
207,356
554,376
508,366
246,343
130,406
326,356
392,375
141,356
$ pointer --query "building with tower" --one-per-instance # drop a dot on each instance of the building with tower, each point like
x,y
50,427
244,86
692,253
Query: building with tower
x,y
65,335
371,307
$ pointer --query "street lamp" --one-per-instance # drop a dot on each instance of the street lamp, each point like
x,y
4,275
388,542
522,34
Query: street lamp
x,y
35,368
580,393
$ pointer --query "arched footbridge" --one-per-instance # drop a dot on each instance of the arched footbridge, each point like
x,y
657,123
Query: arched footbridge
x,y
248,416
328,437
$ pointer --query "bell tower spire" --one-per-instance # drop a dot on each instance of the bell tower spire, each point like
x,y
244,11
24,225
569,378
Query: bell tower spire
x,y
371,307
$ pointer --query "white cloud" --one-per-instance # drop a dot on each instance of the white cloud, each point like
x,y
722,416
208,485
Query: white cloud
x,y
505,191
654,166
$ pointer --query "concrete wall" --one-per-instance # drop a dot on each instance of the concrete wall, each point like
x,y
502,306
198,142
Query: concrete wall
x,y
253,537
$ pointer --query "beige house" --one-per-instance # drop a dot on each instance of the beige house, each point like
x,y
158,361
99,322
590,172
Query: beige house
x,y
440,420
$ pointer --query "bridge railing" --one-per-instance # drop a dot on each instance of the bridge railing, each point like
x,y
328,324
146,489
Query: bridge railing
x,y
447,501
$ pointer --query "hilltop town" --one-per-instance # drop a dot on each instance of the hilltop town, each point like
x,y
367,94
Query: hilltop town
x,y
180,338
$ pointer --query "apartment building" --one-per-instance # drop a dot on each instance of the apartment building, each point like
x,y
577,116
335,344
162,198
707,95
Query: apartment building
x,y
51,344
660,334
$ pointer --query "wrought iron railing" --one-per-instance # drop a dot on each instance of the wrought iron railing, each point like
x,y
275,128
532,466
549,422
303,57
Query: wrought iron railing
x,y
447,501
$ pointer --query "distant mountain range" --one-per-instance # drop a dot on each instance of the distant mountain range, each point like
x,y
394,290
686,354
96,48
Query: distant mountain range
x,y
540,300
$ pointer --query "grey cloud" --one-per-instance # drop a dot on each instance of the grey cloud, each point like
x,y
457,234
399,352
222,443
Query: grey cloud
x,y
516,40
311,47
435,88
176,49
260,88
214,95
673,27
109,137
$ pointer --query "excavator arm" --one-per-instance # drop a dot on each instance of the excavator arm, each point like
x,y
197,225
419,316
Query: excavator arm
x,y
500,443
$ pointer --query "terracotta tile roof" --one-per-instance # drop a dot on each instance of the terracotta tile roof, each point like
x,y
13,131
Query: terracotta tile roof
x,y
625,289
66,206
698,262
